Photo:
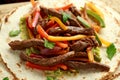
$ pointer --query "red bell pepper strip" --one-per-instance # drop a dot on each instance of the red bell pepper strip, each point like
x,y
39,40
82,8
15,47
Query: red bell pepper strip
x,y
35,18
61,44
65,7
29,21
42,32
34,66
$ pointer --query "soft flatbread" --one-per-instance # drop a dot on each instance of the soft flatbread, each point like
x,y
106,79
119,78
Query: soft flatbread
x,y
110,33
4,72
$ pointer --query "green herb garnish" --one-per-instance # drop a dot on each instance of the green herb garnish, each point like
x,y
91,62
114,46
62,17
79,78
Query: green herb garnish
x,y
50,78
65,16
48,44
111,50
6,78
14,33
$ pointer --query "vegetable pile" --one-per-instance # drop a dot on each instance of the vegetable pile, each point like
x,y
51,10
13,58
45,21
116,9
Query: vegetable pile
x,y
62,38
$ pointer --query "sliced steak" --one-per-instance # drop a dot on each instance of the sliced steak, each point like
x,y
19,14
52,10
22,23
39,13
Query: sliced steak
x,y
75,11
43,23
83,44
53,12
71,30
48,61
81,55
19,45
82,65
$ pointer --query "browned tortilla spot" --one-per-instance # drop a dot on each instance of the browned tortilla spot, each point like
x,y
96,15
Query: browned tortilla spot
x,y
18,64
7,16
111,75
117,21
8,69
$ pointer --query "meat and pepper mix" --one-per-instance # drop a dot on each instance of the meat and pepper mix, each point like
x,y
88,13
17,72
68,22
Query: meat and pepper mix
x,y
62,38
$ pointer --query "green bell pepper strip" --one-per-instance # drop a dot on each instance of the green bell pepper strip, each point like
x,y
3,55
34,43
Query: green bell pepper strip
x,y
87,25
97,17
84,22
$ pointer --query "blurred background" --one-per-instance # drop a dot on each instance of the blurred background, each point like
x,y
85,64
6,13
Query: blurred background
x,y
11,1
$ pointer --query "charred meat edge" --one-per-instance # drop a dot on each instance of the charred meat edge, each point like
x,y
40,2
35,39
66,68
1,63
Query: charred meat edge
x,y
20,45
88,65
48,61
53,12
72,30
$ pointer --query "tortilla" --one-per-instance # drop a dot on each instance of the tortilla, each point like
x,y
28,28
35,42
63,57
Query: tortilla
x,y
4,72
111,33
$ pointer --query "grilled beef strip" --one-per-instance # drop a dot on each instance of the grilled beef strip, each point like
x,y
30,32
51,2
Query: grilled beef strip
x,y
88,65
83,44
81,55
43,23
19,45
48,61
53,12
71,30
75,11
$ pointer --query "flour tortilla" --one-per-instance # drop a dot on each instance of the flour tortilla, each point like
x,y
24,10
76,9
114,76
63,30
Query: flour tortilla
x,y
111,33
4,72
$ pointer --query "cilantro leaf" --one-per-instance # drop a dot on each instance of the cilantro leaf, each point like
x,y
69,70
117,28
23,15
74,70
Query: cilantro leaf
x,y
111,50
65,16
6,78
49,44
14,33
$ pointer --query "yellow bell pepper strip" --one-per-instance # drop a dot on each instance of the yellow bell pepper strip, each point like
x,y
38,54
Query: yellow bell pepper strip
x,y
59,22
57,38
95,9
30,33
32,2
61,38
97,17
106,43
65,7
90,54
103,41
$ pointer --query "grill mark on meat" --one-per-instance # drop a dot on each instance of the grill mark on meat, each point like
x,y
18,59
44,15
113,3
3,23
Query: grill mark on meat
x,y
19,45
48,61
89,65
72,30
53,12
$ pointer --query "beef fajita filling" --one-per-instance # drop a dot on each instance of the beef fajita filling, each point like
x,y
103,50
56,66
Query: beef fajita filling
x,y
58,37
